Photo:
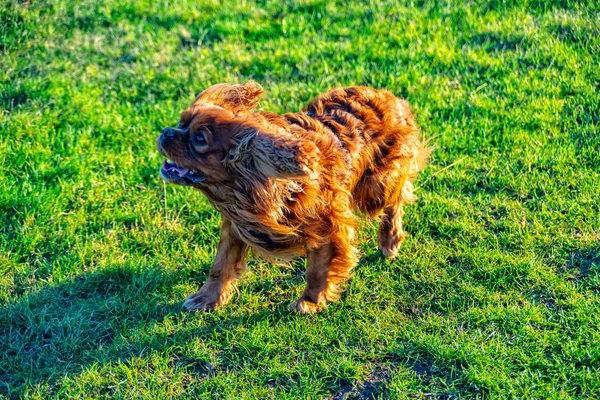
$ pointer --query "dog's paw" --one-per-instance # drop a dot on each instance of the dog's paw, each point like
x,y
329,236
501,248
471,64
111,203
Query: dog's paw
x,y
200,301
304,307
209,297
390,252
390,244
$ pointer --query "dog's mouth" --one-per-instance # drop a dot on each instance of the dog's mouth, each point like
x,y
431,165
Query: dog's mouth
x,y
172,172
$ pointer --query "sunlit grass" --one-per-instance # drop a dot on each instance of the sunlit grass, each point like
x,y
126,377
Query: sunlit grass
x,y
494,294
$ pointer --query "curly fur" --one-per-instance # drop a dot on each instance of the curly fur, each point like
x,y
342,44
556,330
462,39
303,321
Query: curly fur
x,y
287,185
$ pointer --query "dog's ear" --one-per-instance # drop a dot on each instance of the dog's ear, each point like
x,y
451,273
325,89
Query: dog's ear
x,y
235,98
275,154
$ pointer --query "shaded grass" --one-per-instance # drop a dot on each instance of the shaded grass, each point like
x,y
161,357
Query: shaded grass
x,y
494,294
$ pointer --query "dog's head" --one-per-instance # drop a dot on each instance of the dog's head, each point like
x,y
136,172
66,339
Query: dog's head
x,y
220,140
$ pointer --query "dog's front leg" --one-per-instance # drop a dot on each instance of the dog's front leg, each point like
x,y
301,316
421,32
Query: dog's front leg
x,y
227,267
327,267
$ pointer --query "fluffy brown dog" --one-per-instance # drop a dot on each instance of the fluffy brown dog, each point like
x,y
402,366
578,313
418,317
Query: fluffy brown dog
x,y
287,185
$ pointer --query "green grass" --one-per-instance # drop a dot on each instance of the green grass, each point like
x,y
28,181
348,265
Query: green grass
x,y
494,295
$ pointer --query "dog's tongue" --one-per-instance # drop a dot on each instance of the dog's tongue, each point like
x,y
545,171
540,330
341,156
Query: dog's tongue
x,y
167,166
181,171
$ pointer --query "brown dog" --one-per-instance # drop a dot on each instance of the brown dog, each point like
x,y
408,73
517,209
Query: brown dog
x,y
287,185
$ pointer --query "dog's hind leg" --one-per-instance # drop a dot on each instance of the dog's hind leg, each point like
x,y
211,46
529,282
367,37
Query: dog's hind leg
x,y
228,265
391,234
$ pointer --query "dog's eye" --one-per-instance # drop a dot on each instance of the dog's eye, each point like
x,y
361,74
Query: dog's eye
x,y
199,140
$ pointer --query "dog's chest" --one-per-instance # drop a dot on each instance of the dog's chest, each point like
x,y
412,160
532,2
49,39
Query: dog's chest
x,y
261,218
270,244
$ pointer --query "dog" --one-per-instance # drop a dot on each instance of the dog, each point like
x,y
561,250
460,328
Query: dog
x,y
288,185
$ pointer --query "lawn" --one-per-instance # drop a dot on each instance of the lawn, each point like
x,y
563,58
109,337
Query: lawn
x,y
495,293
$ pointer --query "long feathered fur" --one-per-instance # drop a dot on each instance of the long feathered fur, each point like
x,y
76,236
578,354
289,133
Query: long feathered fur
x,y
288,184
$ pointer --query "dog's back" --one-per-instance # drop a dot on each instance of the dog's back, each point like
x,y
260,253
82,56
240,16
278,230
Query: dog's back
x,y
382,138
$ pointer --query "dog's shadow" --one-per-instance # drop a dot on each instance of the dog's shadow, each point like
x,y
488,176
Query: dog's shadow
x,y
99,318
115,314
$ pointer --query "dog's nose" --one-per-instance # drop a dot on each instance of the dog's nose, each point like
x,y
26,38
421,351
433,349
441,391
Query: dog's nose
x,y
169,132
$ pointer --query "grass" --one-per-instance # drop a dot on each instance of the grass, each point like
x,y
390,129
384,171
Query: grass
x,y
494,295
